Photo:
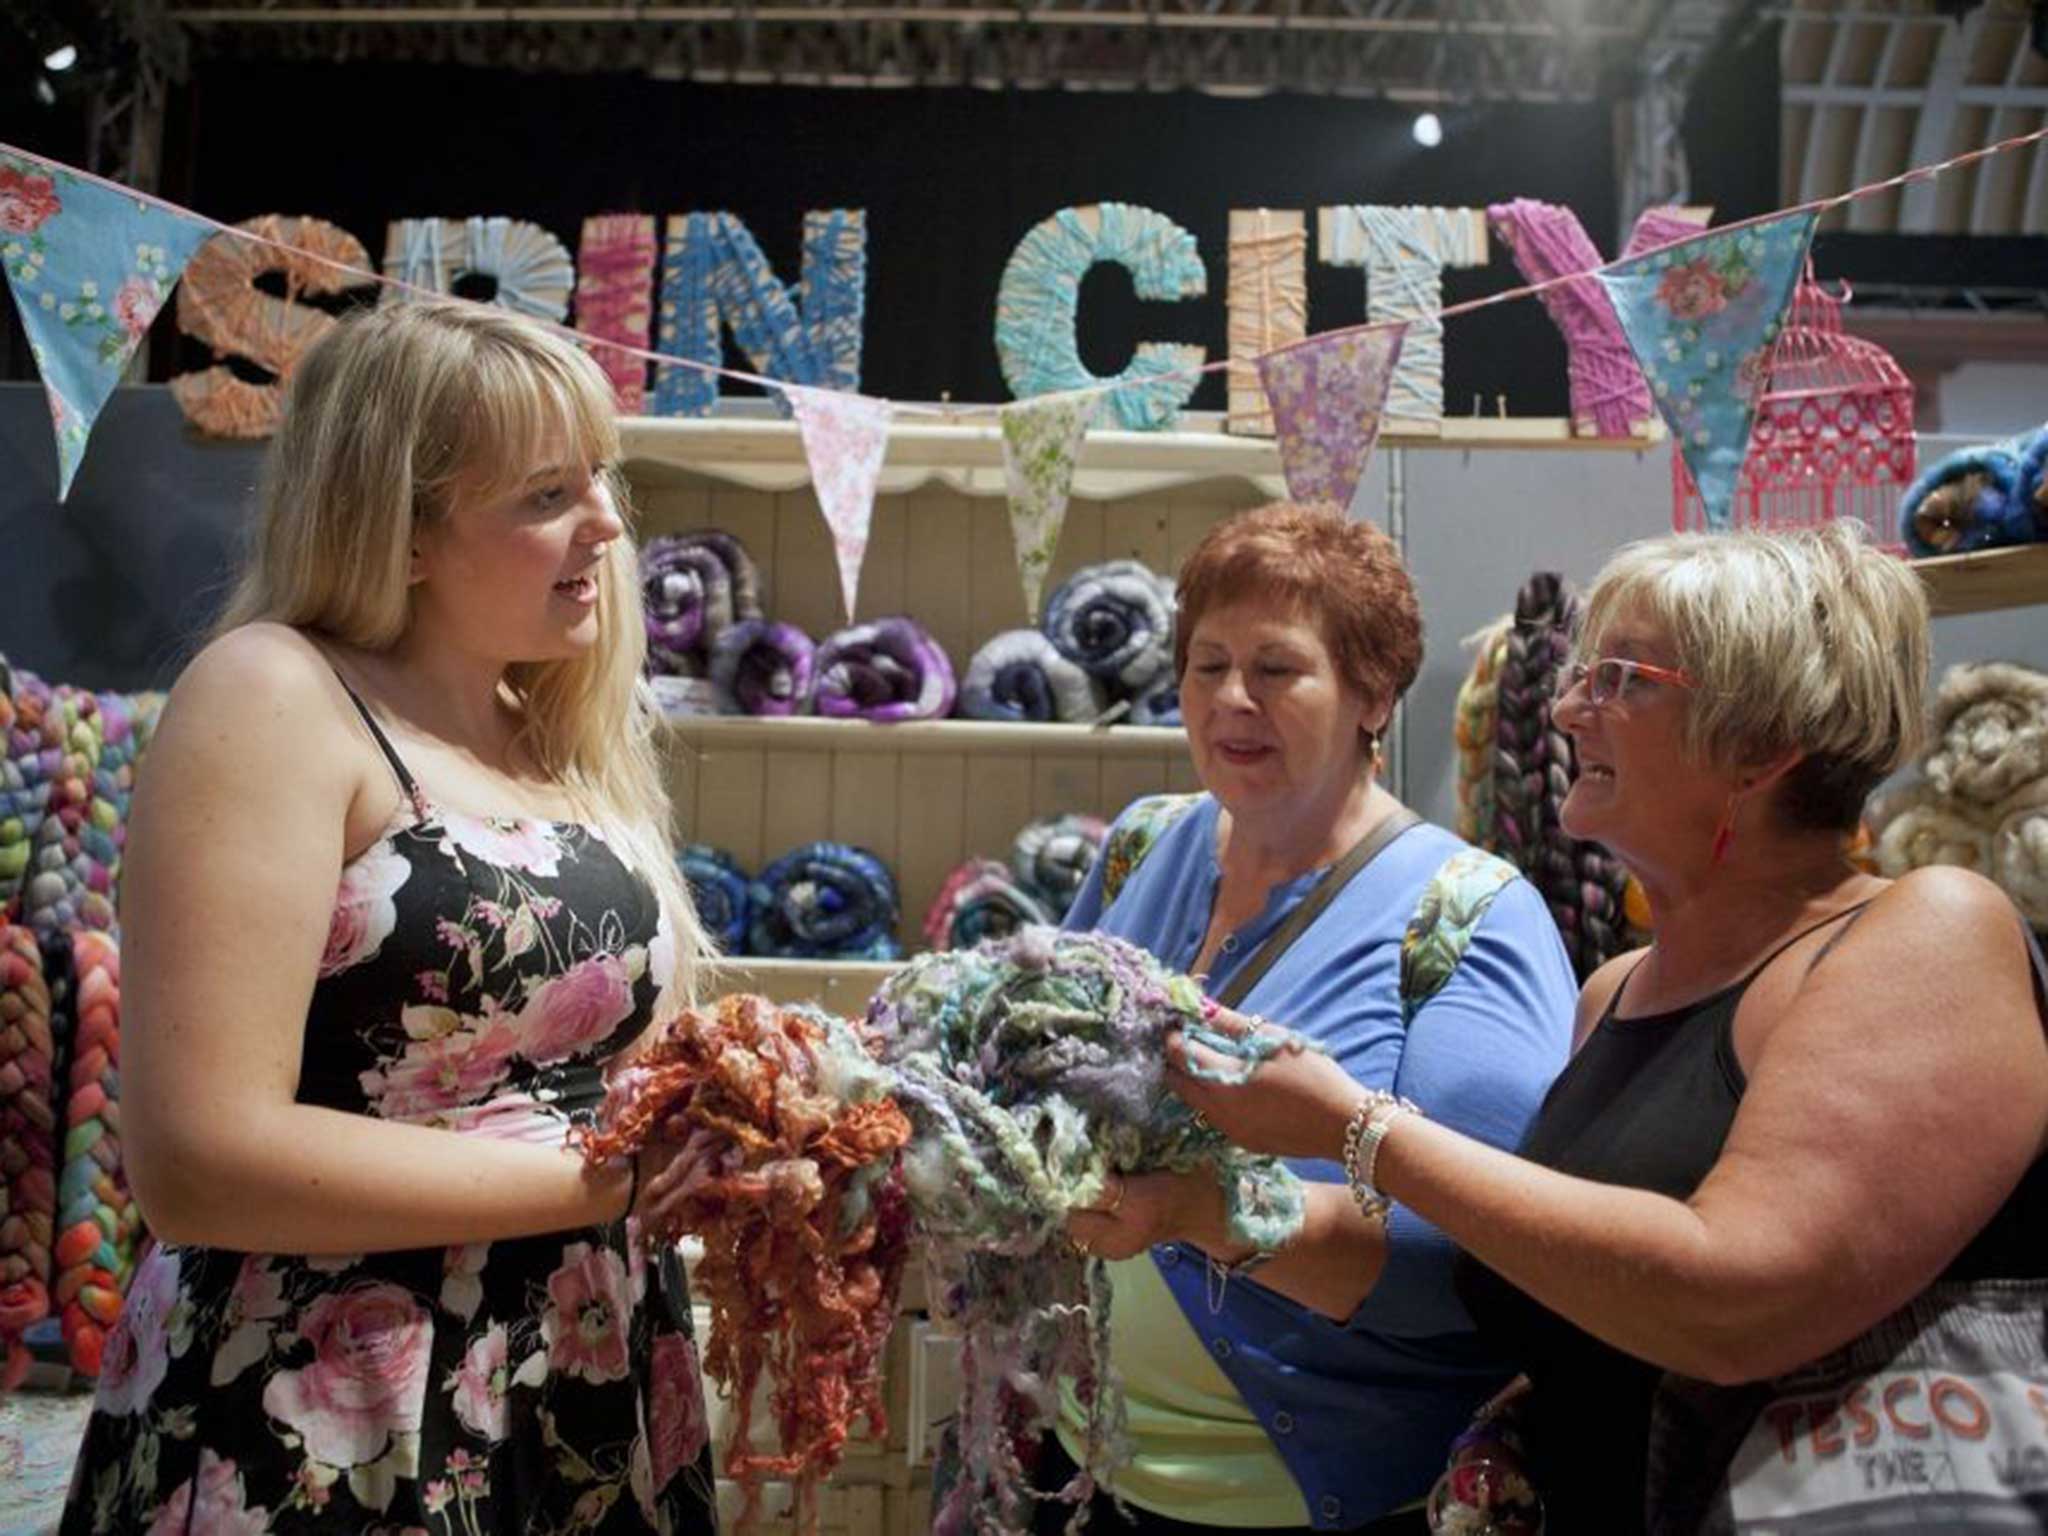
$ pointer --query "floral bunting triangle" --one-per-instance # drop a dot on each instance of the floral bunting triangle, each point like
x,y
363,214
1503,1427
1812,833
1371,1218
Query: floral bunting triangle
x,y
89,268
1041,439
844,439
1328,396
1702,318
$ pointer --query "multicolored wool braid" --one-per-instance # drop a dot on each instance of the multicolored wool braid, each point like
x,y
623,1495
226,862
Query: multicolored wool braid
x,y
824,901
33,758
1052,857
1476,731
1533,766
1019,675
2034,478
1115,622
65,889
1031,1070
719,888
763,667
981,899
888,670
28,1147
694,587
98,1224
790,1139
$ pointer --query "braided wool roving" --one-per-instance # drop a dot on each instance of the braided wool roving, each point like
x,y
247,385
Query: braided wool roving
x,y
59,892
28,1147
25,770
1475,730
1582,884
790,1139
1031,1070
98,1225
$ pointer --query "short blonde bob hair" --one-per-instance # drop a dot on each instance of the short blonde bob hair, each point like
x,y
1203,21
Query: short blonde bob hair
x,y
393,418
1813,642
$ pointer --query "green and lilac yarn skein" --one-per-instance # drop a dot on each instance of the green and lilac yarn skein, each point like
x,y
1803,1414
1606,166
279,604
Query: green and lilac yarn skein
x,y
1032,1069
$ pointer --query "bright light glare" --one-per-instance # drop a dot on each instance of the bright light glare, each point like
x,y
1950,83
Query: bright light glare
x,y
61,59
1429,130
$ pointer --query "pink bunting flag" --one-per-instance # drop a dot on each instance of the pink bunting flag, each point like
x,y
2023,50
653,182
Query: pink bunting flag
x,y
1328,396
844,439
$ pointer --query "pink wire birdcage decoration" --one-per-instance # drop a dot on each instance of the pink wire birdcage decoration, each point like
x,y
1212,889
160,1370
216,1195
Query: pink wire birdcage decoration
x,y
1833,435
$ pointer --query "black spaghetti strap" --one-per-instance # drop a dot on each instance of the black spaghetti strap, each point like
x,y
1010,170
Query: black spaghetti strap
x,y
406,782
1742,984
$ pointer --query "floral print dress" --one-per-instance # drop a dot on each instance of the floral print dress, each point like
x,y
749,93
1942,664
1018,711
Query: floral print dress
x,y
477,977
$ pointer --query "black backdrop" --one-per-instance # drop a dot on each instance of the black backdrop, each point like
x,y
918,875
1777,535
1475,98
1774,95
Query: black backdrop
x,y
950,179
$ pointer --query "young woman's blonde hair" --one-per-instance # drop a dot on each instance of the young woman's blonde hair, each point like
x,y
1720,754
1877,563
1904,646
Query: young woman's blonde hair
x,y
1812,641
391,419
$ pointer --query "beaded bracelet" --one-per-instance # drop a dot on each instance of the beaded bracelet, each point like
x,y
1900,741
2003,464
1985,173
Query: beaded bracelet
x,y
1364,1132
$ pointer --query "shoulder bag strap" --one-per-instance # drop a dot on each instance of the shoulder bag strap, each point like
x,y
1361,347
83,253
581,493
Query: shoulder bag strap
x,y
1339,875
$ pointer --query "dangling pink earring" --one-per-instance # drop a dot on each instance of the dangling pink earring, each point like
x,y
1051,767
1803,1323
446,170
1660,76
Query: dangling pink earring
x,y
1724,834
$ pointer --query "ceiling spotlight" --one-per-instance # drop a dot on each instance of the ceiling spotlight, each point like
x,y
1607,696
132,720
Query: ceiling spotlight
x,y
45,92
1428,130
61,59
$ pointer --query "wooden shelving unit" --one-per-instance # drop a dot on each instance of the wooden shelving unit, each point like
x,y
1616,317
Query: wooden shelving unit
x,y
1986,581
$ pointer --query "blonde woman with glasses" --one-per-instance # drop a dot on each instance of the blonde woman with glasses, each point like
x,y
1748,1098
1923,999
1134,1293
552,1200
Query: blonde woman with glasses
x,y
399,894
1811,1114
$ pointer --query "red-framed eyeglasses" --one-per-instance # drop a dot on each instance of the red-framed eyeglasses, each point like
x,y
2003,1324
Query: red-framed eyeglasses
x,y
1608,678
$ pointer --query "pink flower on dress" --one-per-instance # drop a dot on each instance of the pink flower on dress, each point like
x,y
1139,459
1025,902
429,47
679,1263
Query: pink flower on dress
x,y
530,846
138,1350
439,1073
27,200
368,1377
585,1321
676,1421
1692,292
363,911
136,304
480,1384
209,1503
578,1008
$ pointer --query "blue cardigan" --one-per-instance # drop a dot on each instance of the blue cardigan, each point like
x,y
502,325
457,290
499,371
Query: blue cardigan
x,y
1363,1412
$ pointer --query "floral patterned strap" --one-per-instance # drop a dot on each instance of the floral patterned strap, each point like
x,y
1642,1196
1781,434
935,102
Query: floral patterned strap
x,y
1448,914
1135,834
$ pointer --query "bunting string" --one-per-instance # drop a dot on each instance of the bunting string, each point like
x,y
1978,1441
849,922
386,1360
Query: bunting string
x,y
987,415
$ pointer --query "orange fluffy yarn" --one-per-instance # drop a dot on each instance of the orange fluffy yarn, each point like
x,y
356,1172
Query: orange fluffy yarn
x,y
790,1143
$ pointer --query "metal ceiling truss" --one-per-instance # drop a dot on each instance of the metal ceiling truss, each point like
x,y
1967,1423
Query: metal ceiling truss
x,y
1409,50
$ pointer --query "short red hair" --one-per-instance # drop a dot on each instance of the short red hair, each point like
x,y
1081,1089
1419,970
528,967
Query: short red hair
x,y
1347,576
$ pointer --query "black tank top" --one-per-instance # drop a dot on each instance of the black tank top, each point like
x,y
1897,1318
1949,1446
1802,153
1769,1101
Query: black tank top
x,y
1647,1103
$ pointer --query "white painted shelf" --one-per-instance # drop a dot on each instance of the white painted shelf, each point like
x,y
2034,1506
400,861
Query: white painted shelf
x,y
1987,580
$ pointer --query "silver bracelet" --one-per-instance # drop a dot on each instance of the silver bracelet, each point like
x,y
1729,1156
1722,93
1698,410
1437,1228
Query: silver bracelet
x,y
1367,1128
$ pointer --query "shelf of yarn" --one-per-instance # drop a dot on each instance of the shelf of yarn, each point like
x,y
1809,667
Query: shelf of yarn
x,y
1985,580
711,733
767,454
838,986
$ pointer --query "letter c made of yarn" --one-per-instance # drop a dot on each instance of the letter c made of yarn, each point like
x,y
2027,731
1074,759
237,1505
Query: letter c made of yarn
x,y
1039,298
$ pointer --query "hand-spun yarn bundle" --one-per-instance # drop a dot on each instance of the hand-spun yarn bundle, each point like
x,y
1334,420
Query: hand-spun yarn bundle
x,y
763,667
980,900
694,587
1020,675
1991,732
824,901
1923,826
28,1147
1159,704
98,1225
1115,621
887,671
34,756
790,1139
1031,1070
2034,478
719,891
1053,855
1476,730
1533,768
2019,852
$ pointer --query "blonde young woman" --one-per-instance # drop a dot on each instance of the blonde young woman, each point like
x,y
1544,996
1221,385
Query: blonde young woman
x,y
1816,1094
398,892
